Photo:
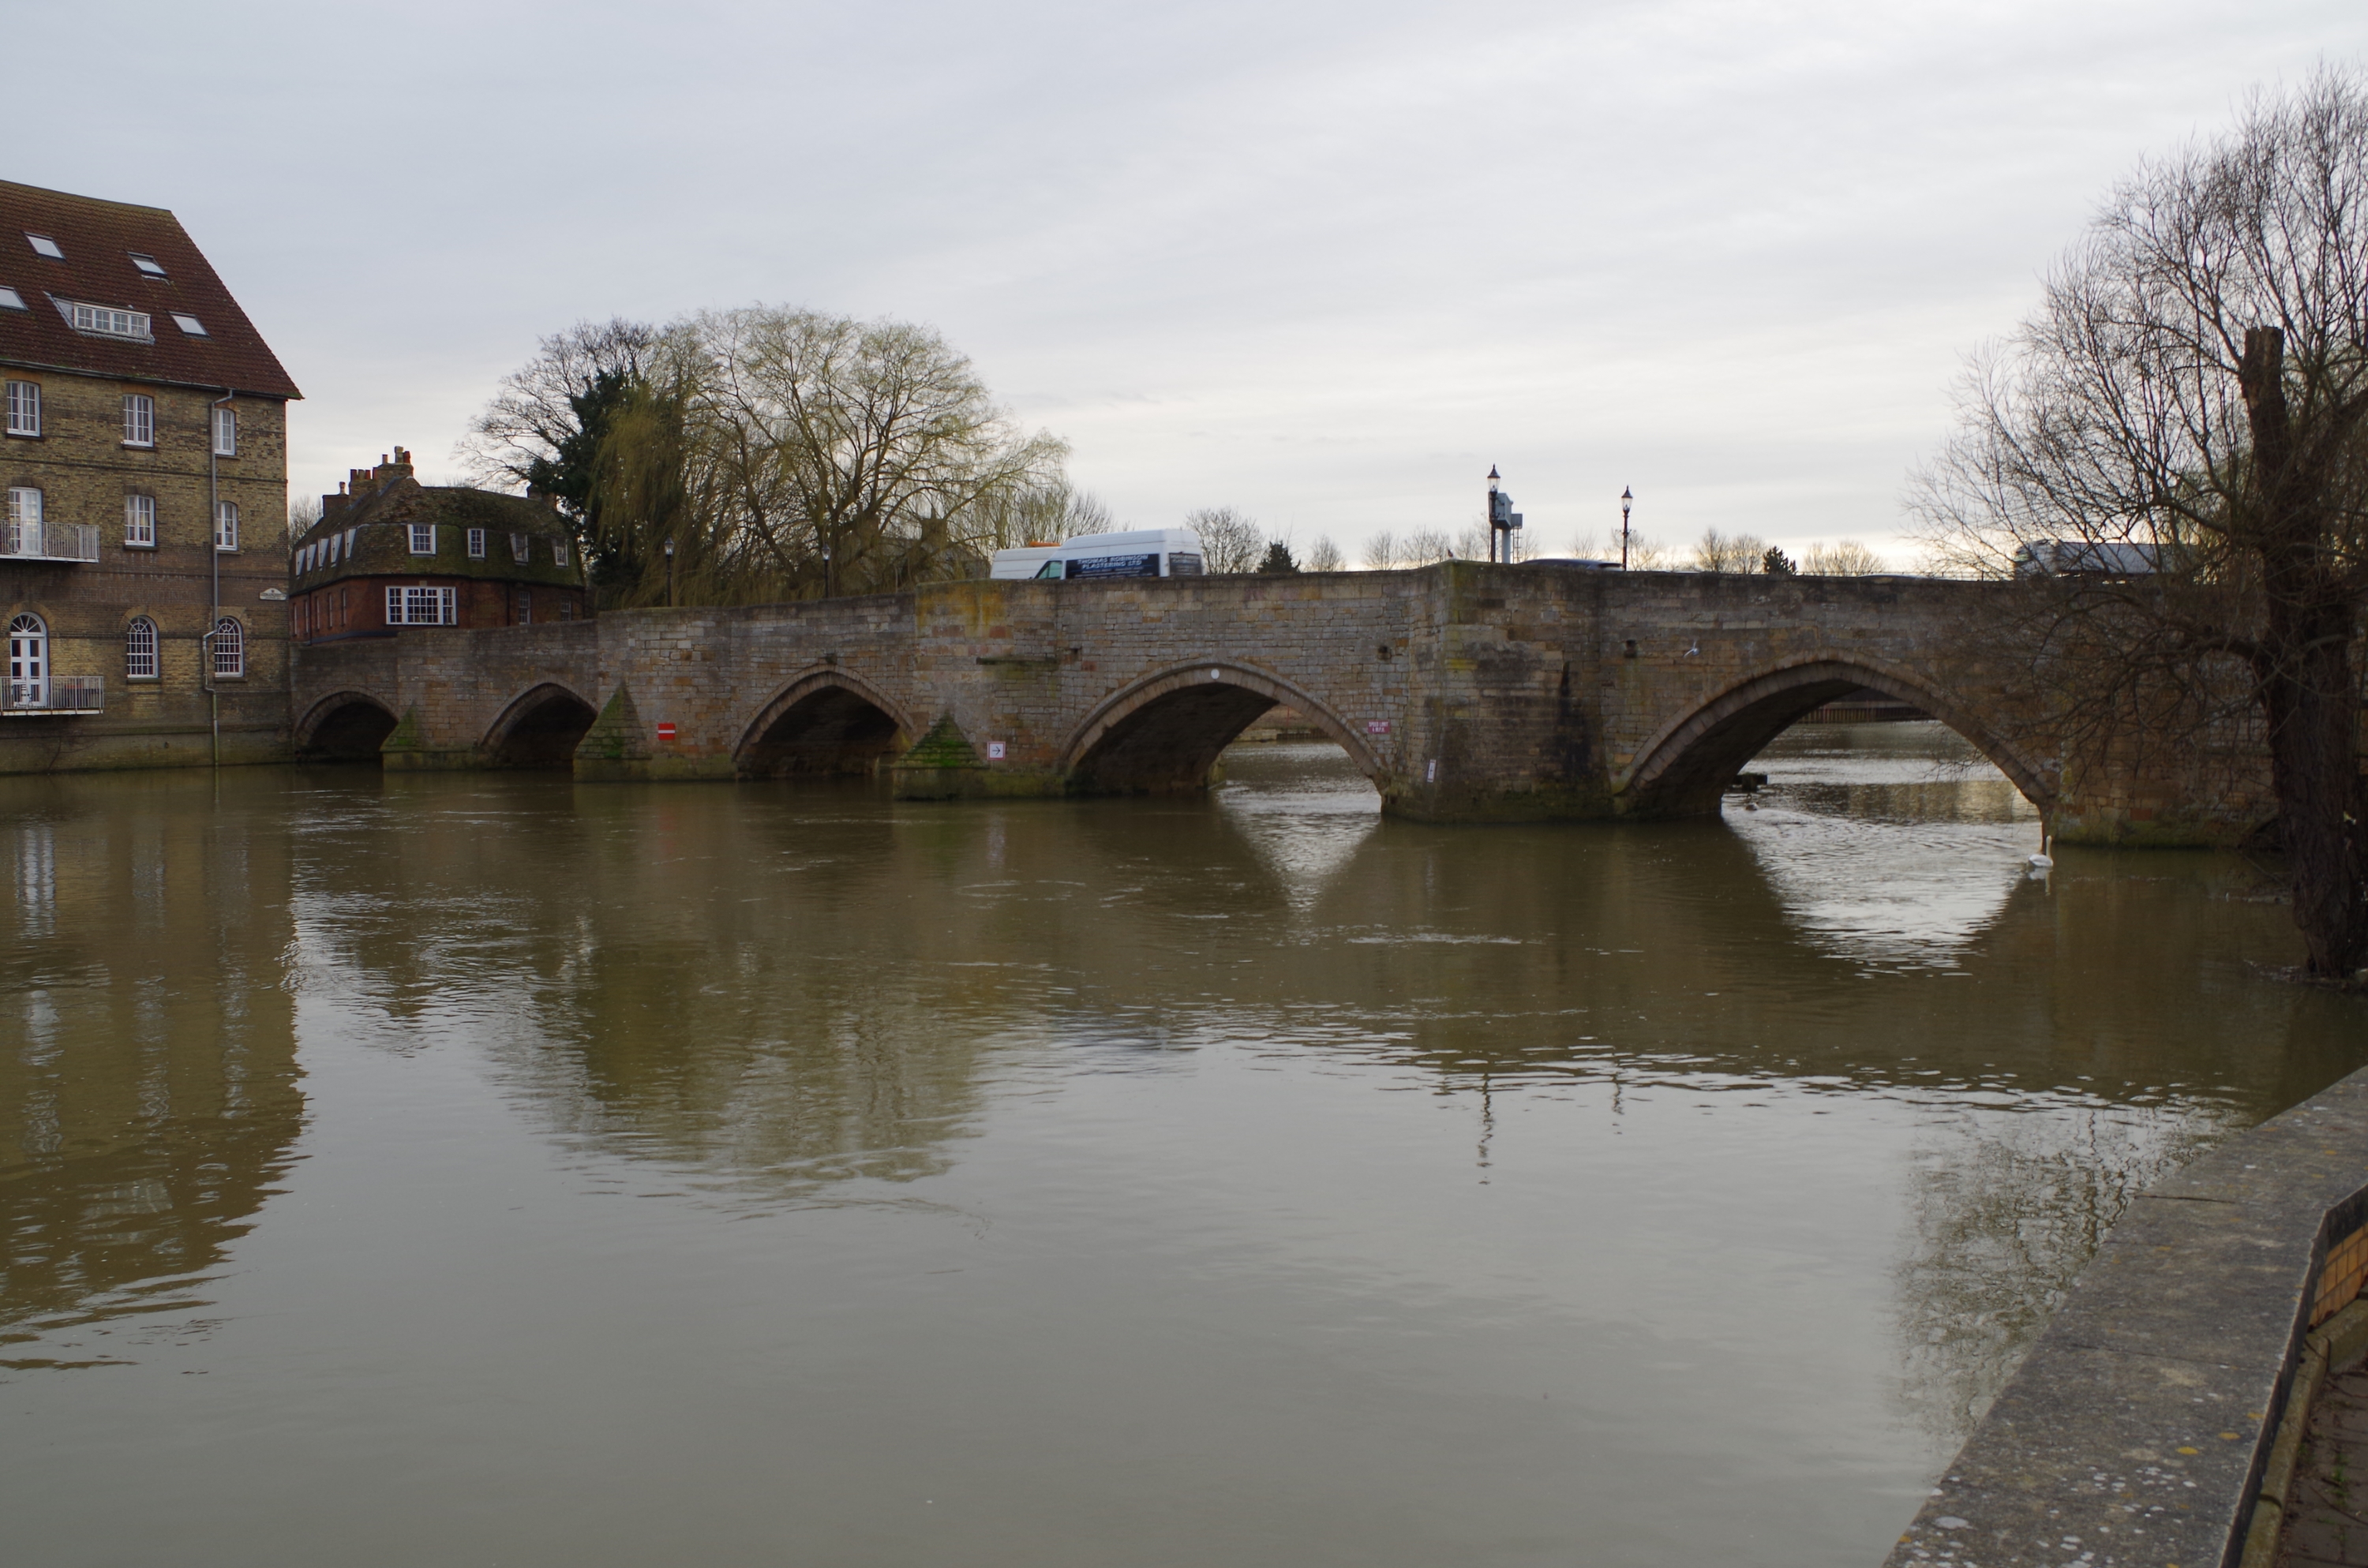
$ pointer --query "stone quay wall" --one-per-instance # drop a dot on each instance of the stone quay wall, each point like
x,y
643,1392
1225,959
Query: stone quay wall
x,y
2150,1423
1466,691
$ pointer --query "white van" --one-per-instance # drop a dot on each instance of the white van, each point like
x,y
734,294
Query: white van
x,y
1140,552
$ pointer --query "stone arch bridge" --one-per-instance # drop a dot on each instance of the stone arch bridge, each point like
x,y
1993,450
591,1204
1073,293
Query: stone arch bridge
x,y
1466,691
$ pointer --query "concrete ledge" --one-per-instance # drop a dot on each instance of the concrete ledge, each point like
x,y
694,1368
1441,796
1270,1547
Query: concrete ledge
x,y
2137,1429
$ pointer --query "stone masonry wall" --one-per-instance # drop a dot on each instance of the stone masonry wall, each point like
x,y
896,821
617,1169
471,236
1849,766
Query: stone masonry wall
x,y
1466,691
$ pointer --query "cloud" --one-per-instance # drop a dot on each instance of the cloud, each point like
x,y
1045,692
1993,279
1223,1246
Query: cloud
x,y
1728,254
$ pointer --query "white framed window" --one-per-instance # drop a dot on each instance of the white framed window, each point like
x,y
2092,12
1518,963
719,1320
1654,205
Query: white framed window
x,y
24,408
559,552
519,545
140,521
106,321
230,650
226,525
44,245
476,544
22,534
420,607
139,649
525,607
139,420
190,325
423,538
304,560
332,542
10,299
148,265
29,663
226,432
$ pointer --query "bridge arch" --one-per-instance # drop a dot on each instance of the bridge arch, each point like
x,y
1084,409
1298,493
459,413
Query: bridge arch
x,y
540,728
345,726
1690,761
827,720
1162,734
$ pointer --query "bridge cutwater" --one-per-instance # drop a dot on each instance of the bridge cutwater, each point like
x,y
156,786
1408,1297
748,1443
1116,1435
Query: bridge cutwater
x,y
1466,691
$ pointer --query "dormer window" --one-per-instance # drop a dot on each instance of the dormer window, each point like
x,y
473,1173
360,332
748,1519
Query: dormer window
x,y
44,245
148,265
190,325
519,545
423,538
106,321
10,299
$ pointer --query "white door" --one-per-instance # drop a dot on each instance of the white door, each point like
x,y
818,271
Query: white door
x,y
29,663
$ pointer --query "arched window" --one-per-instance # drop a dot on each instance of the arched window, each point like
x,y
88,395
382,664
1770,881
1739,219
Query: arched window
x,y
139,649
29,663
230,649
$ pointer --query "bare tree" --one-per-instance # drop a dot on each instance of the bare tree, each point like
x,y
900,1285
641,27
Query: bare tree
x,y
1325,556
1382,551
540,412
304,511
1647,554
1046,513
1843,558
1423,546
546,423
791,454
2174,450
1230,540
1720,552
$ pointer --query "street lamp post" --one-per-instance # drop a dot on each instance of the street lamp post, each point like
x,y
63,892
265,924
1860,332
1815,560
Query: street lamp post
x,y
669,555
1627,499
1492,513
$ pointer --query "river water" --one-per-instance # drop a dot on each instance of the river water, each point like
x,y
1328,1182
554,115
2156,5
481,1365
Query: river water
x,y
488,1169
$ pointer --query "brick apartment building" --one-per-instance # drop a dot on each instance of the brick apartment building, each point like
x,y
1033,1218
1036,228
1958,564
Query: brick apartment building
x,y
390,552
143,454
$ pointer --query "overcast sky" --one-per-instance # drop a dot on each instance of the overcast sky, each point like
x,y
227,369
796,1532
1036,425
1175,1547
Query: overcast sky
x,y
1325,262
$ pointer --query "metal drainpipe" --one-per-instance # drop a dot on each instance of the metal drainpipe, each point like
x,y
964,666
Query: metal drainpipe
x,y
213,542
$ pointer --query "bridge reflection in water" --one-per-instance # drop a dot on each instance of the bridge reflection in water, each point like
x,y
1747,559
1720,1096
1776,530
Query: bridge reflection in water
x,y
781,1169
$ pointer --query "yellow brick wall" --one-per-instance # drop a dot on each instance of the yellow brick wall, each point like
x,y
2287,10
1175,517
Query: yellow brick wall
x,y
84,472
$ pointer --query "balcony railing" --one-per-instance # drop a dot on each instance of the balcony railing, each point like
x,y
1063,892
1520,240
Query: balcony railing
x,y
59,694
49,541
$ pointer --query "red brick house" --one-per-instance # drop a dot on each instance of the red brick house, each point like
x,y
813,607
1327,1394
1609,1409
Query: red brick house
x,y
390,553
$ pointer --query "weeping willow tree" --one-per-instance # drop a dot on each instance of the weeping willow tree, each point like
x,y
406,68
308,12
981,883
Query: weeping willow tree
x,y
787,454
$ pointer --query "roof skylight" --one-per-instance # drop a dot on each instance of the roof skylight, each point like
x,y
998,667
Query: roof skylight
x,y
148,265
190,325
44,245
10,299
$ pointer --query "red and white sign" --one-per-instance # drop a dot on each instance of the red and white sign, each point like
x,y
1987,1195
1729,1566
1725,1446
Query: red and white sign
x,y
1378,727
666,732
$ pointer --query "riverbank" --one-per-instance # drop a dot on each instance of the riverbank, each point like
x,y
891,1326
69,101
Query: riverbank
x,y
2140,1427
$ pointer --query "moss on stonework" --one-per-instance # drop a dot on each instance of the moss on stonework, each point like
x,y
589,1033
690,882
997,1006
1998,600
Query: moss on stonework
x,y
944,746
617,734
406,733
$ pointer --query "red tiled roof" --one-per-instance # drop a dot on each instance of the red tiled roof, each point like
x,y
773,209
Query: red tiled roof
x,y
99,239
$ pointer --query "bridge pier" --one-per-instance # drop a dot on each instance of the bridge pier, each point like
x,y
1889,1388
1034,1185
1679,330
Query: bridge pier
x,y
1467,692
